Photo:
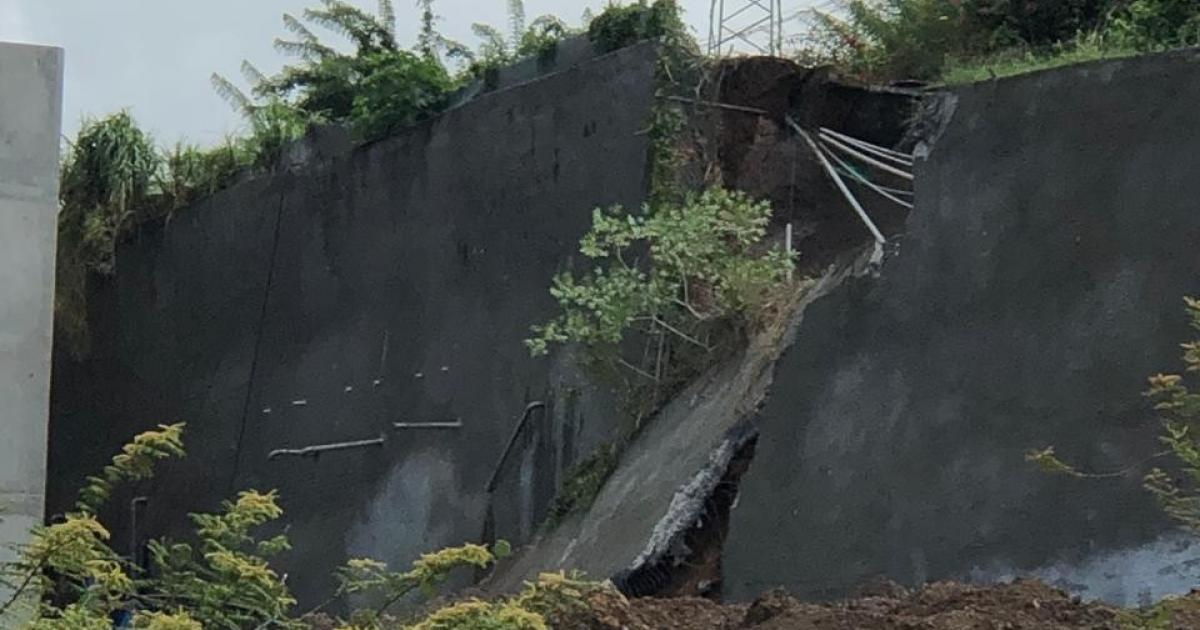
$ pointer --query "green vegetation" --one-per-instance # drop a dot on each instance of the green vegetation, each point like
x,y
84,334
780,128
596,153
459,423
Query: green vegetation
x,y
69,578
1015,61
583,482
114,177
1180,409
375,90
106,180
536,40
620,26
671,288
965,40
704,262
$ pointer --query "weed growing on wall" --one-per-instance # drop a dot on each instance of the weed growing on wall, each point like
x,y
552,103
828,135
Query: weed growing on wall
x,y
583,482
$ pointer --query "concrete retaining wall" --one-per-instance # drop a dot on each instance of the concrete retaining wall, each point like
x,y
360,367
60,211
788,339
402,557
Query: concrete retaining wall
x,y
1037,284
390,285
30,119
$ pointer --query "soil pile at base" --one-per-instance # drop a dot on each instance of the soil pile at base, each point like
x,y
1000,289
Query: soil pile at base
x,y
1025,605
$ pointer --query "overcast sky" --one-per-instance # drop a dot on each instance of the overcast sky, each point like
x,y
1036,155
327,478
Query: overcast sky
x,y
154,57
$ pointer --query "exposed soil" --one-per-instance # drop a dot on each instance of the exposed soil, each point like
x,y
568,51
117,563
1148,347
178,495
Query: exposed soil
x,y
761,155
1021,605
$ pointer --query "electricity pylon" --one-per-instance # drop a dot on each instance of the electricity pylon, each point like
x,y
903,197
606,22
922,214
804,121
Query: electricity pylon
x,y
751,25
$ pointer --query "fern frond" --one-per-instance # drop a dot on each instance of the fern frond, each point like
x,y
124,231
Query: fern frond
x,y
493,41
232,94
311,51
364,29
297,28
253,75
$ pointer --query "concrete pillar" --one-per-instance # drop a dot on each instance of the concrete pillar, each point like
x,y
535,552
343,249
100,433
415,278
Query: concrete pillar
x,y
30,123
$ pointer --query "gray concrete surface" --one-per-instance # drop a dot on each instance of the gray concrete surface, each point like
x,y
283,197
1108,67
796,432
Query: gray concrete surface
x,y
30,119
1038,283
394,283
665,475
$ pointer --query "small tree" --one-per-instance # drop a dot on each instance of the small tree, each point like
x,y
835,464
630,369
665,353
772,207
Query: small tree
x,y
667,271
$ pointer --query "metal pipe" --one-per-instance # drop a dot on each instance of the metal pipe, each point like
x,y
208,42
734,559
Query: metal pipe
x,y
837,179
788,249
512,440
864,181
731,107
315,451
902,158
455,424
134,551
866,158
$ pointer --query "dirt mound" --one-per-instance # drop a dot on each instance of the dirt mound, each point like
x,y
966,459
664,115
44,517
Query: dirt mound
x,y
1024,605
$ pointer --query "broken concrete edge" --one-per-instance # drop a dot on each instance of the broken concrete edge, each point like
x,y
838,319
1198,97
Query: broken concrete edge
x,y
934,112
665,546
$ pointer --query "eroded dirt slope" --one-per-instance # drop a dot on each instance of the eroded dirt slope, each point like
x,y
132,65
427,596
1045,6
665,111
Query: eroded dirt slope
x,y
1021,605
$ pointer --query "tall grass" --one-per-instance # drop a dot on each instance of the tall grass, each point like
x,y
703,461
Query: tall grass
x,y
114,177
1022,60
958,41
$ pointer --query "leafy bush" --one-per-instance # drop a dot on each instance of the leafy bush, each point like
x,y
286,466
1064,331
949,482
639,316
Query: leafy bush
x,y
1034,24
705,261
69,578
555,600
227,584
619,26
919,39
398,89
887,39
1014,61
113,178
375,89
1156,24
106,180
363,575
536,40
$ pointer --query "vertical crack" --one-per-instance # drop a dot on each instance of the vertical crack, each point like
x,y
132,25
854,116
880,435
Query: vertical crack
x,y
258,334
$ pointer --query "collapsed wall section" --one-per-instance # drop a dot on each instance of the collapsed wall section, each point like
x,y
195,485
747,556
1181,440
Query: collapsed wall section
x,y
326,305
1036,285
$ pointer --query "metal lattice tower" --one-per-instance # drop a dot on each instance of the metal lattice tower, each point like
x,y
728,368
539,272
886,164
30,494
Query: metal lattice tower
x,y
749,25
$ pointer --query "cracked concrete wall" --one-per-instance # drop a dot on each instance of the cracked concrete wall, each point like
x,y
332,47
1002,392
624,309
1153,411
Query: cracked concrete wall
x,y
644,510
391,284
1037,283
30,120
